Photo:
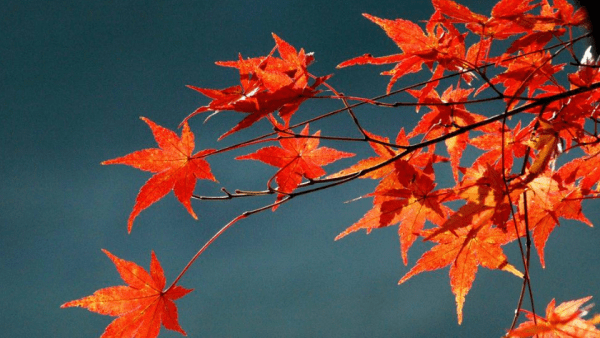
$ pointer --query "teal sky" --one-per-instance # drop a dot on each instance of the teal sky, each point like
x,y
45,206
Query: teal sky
x,y
75,77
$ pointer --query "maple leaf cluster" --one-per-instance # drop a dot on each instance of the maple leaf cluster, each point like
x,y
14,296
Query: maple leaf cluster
x,y
497,201
514,188
268,84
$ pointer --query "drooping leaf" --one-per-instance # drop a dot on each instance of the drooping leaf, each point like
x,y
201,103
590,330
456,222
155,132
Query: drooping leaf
x,y
464,250
175,167
141,306
551,197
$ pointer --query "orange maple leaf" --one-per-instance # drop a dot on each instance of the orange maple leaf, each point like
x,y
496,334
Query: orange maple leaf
x,y
509,17
552,196
297,158
528,72
487,201
175,167
141,306
443,44
464,250
268,84
418,158
515,145
564,320
444,119
383,152
406,197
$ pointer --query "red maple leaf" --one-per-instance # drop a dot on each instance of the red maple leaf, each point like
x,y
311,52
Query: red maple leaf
x,y
384,153
508,17
141,306
468,237
586,74
405,197
563,321
440,42
443,119
268,84
567,16
515,145
530,71
464,250
175,167
297,157
551,196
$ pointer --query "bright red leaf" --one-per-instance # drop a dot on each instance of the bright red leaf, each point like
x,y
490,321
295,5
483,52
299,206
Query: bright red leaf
x,y
550,197
268,84
508,17
470,246
175,167
443,119
141,306
297,157
440,43
405,197
515,145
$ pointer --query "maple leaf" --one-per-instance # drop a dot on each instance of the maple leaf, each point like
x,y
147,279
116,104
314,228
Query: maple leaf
x,y
440,43
585,74
587,167
268,84
529,71
175,167
464,250
546,142
508,17
383,152
297,157
141,306
567,16
552,195
447,116
515,145
562,321
405,197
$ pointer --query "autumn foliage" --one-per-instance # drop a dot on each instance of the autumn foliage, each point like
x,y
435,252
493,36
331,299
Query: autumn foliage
x,y
538,158
142,306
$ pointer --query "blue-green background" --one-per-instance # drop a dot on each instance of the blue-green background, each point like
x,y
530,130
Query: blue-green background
x,y
74,78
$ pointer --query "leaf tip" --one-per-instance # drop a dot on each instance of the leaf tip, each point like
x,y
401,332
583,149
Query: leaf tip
x,y
106,252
